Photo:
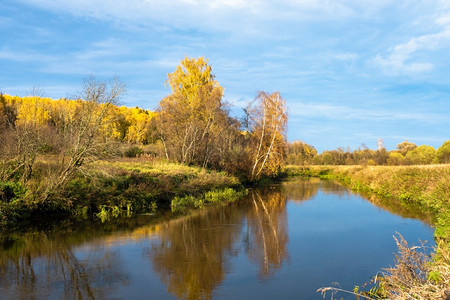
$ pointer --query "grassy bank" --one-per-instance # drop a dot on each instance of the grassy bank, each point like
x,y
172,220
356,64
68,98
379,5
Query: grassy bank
x,y
110,188
426,187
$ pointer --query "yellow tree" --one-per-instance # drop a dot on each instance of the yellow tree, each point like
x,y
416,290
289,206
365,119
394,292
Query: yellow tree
x,y
421,155
186,118
267,117
443,153
30,128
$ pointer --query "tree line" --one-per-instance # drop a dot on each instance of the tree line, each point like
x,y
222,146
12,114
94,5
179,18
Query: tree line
x,y
407,153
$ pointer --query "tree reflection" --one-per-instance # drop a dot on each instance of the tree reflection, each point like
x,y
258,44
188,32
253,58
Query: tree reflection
x,y
36,265
412,211
267,230
193,253
334,187
304,189
301,190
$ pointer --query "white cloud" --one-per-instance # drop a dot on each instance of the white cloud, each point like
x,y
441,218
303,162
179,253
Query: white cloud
x,y
405,58
345,56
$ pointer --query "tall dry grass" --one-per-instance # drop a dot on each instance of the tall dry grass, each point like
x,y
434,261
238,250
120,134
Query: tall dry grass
x,y
416,275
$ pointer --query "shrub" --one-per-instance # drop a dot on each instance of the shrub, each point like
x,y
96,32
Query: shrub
x,y
371,162
134,152
10,191
396,159
414,276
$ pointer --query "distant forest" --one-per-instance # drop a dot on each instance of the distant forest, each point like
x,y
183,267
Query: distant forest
x,y
407,153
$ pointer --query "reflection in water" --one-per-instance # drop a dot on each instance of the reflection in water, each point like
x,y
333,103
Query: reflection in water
x,y
411,211
38,266
267,230
303,190
194,255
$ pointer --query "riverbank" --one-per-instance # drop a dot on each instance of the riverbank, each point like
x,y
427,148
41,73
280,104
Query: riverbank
x,y
107,189
426,187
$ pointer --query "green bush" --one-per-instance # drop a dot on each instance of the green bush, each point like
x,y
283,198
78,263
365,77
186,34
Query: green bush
x,y
10,191
134,152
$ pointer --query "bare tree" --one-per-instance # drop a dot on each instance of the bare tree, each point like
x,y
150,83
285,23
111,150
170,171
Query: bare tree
x,y
24,134
80,134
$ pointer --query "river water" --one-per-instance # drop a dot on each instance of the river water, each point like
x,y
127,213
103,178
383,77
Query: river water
x,y
280,242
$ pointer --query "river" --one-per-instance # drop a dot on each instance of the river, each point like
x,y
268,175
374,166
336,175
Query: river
x,y
280,242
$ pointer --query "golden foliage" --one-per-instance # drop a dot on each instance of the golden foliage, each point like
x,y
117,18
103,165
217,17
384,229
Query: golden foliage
x,y
193,120
268,125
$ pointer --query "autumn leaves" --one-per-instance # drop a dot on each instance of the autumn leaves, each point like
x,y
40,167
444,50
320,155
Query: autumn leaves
x,y
194,125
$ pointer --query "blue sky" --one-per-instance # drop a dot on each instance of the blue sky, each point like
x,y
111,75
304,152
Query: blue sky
x,y
351,71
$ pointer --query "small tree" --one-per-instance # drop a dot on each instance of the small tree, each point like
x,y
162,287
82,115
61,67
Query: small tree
x,y
193,123
381,156
25,132
189,120
300,153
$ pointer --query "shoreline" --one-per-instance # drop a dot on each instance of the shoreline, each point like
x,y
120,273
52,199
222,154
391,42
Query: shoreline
x,y
107,189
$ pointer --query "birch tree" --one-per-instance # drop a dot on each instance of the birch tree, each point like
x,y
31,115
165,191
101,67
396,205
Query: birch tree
x,y
267,117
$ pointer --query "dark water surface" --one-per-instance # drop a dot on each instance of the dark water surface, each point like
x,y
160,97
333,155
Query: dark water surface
x,y
282,242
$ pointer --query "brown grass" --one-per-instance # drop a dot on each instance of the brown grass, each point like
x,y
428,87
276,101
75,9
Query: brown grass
x,y
415,275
